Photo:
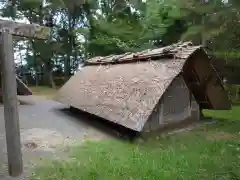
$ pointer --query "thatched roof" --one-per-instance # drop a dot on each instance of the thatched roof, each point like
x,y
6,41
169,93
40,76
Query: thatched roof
x,y
125,88
178,51
22,89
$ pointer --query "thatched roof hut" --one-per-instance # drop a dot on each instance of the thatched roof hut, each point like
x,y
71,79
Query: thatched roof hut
x,y
148,89
22,89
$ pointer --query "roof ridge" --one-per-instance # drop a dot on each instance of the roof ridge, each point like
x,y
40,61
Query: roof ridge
x,y
171,51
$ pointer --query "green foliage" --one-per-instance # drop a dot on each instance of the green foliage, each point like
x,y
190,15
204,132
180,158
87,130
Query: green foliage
x,y
233,92
106,27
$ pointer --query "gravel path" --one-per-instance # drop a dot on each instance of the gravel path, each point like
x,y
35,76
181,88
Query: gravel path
x,y
45,126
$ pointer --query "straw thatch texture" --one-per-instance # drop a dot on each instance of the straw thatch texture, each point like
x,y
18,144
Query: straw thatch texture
x,y
22,88
125,94
178,50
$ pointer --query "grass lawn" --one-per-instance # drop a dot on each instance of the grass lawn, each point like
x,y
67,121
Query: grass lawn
x,y
43,91
208,153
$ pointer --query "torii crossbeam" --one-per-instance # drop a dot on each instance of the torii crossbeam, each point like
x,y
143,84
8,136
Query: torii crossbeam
x,y
8,29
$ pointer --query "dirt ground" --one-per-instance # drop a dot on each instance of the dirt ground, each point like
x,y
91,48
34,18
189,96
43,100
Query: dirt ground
x,y
47,128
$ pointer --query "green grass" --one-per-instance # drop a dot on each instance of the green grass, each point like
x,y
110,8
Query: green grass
x,y
229,115
208,153
228,120
43,91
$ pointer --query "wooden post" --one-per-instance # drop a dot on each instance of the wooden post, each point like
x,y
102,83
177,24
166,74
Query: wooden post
x,y
9,85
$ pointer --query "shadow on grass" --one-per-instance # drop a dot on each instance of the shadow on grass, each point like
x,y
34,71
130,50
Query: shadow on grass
x,y
224,124
236,103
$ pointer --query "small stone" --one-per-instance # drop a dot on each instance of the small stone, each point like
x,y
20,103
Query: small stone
x,y
31,145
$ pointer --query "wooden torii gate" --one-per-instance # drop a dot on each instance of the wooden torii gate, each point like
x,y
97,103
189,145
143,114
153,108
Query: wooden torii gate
x,y
7,30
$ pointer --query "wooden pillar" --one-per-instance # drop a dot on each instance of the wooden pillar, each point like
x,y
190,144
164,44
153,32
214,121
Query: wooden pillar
x,y
9,85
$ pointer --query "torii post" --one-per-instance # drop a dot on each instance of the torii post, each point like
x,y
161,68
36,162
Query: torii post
x,y
9,85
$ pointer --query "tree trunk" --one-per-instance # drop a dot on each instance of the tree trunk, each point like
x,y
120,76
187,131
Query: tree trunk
x,y
37,73
34,51
51,80
203,39
67,66
48,76
67,62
